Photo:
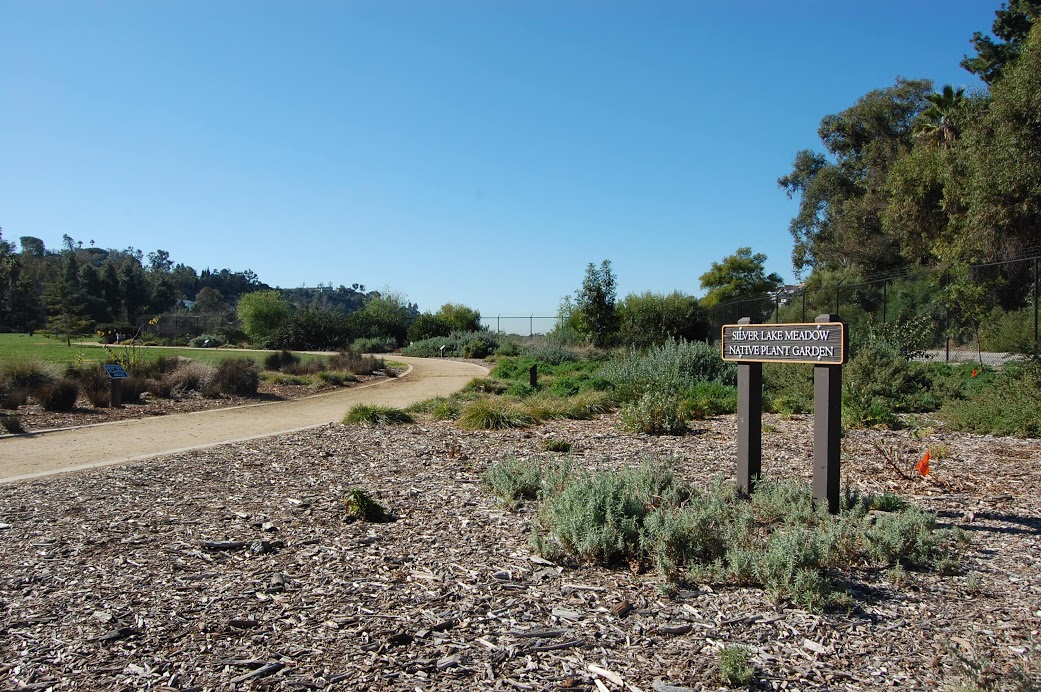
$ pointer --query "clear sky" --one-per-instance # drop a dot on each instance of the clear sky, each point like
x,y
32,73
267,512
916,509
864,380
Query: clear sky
x,y
481,152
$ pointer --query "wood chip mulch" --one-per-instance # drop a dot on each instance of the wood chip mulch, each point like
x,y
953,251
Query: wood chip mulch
x,y
234,568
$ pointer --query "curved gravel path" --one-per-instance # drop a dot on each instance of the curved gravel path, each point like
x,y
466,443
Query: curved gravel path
x,y
73,449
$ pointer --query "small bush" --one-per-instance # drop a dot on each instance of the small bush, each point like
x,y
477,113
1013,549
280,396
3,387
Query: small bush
x,y
233,377
60,395
280,359
94,383
674,366
26,374
488,413
11,423
366,414
551,354
355,362
336,379
374,345
734,668
206,341
655,413
191,377
360,505
485,385
456,345
706,399
279,378
514,479
560,446
439,408
1007,406
133,387
12,397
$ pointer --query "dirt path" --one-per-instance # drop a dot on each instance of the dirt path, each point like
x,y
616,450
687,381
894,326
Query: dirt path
x,y
60,451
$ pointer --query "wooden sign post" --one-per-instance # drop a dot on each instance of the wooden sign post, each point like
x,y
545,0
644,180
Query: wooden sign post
x,y
116,375
821,343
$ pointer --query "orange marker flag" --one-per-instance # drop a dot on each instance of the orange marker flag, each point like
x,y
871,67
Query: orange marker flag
x,y
923,465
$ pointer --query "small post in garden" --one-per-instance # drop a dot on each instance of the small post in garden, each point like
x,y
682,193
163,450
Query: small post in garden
x,y
749,422
116,375
533,376
827,429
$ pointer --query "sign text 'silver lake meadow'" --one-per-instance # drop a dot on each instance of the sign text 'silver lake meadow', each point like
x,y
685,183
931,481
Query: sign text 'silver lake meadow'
x,y
820,343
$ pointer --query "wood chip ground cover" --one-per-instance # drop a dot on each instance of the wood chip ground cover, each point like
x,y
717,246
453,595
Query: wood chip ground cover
x,y
233,568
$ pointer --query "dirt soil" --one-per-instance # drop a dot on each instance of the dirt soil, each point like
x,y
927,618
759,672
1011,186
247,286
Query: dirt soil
x,y
162,426
235,567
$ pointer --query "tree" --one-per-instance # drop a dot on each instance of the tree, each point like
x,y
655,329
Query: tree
x,y
386,314
209,300
741,275
427,326
648,319
66,306
1011,27
595,305
261,314
133,288
1002,168
838,223
939,122
460,318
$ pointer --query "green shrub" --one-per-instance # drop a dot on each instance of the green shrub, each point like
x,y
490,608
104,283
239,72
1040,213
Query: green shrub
x,y
279,360
233,377
456,345
787,388
514,479
94,383
374,414
131,388
59,395
488,413
673,366
655,413
278,378
360,505
520,390
1008,405
479,347
336,379
485,385
355,362
438,408
206,341
734,667
190,377
11,423
508,348
551,354
706,399
561,446
26,374
374,345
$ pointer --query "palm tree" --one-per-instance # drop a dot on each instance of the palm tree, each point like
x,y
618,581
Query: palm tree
x,y
937,123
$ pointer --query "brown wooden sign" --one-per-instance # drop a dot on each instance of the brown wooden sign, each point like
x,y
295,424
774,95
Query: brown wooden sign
x,y
819,343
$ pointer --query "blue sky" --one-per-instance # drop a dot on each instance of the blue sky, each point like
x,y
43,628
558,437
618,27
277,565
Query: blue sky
x,y
480,152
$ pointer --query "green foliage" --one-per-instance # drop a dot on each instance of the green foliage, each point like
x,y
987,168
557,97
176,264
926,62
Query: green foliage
x,y
314,329
459,318
737,276
361,506
457,345
355,362
551,354
11,423
778,540
648,319
280,360
206,341
553,445
233,377
490,413
654,413
705,399
734,668
26,374
438,408
376,415
673,366
60,395
1007,405
595,305
427,326
1011,27
384,316
374,345
514,479
261,314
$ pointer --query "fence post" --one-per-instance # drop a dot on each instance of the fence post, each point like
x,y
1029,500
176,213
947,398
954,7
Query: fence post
x,y
1035,306
749,422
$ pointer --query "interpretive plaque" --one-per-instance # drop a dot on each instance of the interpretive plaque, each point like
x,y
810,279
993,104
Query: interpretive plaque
x,y
818,343
116,372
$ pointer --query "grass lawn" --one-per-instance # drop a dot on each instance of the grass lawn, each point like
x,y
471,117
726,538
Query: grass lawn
x,y
50,350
